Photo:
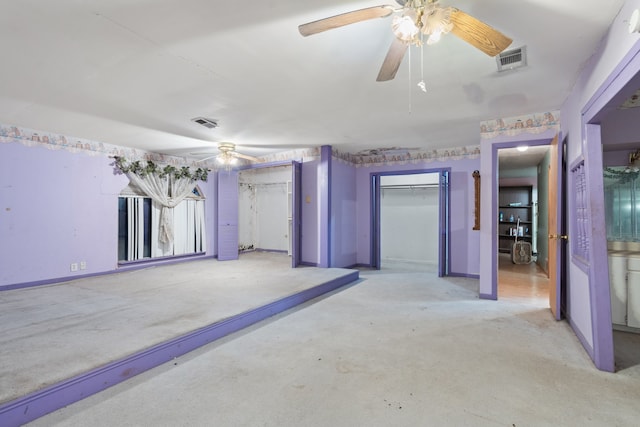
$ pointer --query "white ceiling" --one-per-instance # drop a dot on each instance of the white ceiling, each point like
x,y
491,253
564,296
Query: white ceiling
x,y
134,72
513,159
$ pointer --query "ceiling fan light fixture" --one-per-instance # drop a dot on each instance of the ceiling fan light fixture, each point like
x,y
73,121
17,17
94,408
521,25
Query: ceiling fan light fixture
x,y
404,28
226,159
434,37
415,22
435,23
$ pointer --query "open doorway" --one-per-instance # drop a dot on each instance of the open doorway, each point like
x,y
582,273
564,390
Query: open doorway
x,y
523,257
251,232
621,184
265,209
409,216
410,219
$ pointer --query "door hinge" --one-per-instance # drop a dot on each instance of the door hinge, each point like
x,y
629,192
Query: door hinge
x,y
559,236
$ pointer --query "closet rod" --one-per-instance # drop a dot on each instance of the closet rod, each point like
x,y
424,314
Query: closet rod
x,y
407,186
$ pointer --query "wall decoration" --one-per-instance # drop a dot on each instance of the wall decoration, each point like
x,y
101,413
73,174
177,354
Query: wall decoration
x,y
476,186
406,156
150,168
304,155
365,158
580,221
534,124
52,141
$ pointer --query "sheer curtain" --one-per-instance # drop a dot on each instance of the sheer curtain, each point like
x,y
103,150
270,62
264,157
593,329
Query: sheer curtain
x,y
201,239
168,191
158,248
188,221
135,212
181,225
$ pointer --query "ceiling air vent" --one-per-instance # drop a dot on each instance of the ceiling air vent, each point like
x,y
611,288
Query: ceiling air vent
x,y
208,123
512,59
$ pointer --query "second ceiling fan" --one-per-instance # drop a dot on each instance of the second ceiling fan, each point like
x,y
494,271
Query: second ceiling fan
x,y
415,21
227,154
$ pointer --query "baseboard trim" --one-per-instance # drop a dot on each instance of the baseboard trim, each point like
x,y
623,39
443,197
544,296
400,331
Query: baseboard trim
x,y
464,275
308,264
128,266
49,399
588,348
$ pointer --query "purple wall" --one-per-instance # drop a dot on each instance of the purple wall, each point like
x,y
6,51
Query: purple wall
x,y
310,214
59,208
343,214
616,158
623,127
465,258
62,209
602,75
211,212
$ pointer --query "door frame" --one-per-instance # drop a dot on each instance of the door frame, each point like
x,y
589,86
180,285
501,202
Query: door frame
x,y
444,222
296,217
543,139
556,173
620,84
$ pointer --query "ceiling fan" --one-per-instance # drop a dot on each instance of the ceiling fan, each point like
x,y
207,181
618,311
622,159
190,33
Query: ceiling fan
x,y
227,155
414,21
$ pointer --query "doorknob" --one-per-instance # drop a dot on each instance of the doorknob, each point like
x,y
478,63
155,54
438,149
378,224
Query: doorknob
x,y
559,236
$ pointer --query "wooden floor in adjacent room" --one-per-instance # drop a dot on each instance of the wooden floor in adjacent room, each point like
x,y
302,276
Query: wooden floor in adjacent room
x,y
519,281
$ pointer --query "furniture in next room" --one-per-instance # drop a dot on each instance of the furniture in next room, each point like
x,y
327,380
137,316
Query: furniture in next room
x,y
624,280
514,203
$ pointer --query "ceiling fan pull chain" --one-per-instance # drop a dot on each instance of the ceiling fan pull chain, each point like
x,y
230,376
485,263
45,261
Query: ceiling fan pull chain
x,y
410,84
422,84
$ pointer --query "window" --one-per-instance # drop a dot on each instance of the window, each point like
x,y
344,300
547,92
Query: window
x,y
622,204
139,221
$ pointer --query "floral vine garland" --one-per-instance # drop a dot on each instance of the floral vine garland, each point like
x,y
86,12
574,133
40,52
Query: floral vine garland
x,y
622,176
139,168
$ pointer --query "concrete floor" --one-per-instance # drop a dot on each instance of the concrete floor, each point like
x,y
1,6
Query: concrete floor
x,y
399,348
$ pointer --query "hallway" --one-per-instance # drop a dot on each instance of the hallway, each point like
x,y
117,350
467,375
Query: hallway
x,y
522,281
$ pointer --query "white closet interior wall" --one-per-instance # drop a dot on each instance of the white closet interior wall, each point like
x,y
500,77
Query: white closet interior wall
x,y
409,218
263,208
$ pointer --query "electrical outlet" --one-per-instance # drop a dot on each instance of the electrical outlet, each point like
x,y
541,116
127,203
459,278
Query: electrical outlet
x,y
83,265
74,266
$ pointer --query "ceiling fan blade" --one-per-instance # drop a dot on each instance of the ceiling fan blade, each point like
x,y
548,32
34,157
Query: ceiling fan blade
x,y
392,60
206,158
344,19
244,156
478,34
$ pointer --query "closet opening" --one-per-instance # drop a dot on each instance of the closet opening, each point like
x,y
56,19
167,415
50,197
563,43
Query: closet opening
x,y
411,220
265,210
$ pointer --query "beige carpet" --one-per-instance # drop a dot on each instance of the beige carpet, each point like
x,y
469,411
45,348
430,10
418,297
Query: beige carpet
x,y
396,349
55,332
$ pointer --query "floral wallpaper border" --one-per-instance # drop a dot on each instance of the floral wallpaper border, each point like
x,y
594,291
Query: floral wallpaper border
x,y
53,141
411,156
303,154
511,126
